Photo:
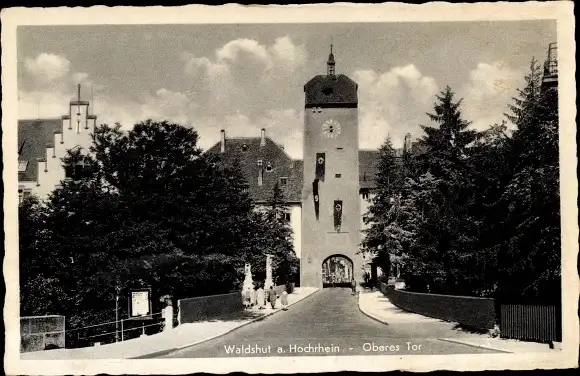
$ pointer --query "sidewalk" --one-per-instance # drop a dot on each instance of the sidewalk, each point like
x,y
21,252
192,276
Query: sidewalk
x,y
182,336
502,344
378,307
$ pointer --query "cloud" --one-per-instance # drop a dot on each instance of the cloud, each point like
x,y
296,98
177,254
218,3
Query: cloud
x,y
393,103
244,73
47,67
488,92
283,126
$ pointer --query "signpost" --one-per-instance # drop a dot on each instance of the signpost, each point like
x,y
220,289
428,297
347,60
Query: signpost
x,y
140,305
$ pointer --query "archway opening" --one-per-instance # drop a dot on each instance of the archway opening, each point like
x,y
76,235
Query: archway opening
x,y
337,271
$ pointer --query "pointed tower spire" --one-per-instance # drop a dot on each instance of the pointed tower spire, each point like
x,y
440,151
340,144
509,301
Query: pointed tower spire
x,y
331,63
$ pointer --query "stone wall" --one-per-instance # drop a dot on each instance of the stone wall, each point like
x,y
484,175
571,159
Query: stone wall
x,y
472,311
39,333
207,307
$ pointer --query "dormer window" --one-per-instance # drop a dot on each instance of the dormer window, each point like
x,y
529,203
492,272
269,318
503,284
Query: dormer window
x,y
327,91
269,167
244,147
283,181
22,166
260,163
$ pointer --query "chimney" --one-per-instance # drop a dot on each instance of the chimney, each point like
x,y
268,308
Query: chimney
x,y
223,141
263,137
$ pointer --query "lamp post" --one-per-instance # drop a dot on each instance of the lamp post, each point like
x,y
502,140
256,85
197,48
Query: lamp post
x,y
117,290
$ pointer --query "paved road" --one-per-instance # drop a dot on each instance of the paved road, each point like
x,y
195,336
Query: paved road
x,y
328,323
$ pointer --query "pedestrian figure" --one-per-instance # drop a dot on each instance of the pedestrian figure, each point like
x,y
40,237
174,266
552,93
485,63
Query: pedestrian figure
x,y
272,296
248,298
284,299
353,286
261,298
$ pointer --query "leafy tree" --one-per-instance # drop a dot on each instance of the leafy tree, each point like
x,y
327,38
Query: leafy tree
x,y
144,207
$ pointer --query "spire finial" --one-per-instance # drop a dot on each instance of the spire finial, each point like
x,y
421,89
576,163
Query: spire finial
x,y
79,92
331,44
331,63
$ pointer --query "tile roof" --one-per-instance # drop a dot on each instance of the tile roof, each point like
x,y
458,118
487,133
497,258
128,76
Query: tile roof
x,y
336,90
368,161
270,154
33,137
281,162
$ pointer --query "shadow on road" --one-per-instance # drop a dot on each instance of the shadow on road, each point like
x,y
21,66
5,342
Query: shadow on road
x,y
469,329
237,316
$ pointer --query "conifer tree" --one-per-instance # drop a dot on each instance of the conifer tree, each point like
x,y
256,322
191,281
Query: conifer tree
x,y
529,252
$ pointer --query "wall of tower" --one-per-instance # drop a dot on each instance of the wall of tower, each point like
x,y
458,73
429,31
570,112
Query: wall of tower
x,y
319,238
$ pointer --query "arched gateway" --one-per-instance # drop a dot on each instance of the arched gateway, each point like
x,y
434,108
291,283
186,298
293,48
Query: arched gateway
x,y
331,208
337,271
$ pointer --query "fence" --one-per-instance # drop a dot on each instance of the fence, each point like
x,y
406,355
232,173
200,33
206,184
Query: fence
x,y
472,311
530,322
114,331
39,333
207,307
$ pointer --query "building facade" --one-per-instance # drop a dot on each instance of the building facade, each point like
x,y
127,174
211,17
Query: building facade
x,y
42,143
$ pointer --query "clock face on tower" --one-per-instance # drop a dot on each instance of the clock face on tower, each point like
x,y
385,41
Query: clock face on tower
x,y
331,128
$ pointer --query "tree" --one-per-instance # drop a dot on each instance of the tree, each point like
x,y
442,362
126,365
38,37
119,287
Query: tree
x,y
529,250
444,195
381,216
274,237
146,207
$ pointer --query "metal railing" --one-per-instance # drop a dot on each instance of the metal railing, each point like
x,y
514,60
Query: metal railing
x,y
114,331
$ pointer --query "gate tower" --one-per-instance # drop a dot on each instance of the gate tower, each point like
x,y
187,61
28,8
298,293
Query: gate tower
x,y
331,213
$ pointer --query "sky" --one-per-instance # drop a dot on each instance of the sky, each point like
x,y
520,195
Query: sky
x,y
242,78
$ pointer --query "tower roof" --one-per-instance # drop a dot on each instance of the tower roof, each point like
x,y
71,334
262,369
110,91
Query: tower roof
x,y
331,90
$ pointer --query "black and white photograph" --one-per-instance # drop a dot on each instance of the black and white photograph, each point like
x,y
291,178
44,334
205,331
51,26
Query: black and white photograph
x,y
346,192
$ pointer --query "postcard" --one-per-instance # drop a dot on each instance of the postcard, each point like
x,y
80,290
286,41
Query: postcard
x,y
290,189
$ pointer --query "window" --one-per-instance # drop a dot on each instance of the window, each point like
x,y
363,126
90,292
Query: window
x,y
328,91
339,149
244,147
269,168
23,193
365,195
260,162
283,181
22,166
338,176
287,216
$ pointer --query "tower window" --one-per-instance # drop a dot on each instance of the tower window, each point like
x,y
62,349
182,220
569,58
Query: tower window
x,y
269,168
338,176
365,195
260,162
283,181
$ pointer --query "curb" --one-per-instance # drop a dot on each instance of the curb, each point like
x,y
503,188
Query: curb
x,y
168,351
370,315
467,343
